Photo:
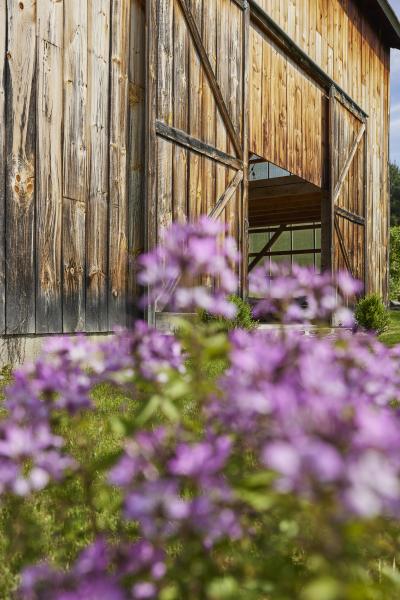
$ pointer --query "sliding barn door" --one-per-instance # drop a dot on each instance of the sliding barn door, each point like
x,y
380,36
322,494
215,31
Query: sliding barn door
x,y
348,145
197,148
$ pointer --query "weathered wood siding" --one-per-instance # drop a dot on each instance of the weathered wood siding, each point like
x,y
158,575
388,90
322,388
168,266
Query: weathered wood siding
x,y
287,112
71,163
348,193
351,50
197,113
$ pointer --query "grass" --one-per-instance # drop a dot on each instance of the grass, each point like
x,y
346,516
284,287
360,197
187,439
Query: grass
x,y
392,336
62,520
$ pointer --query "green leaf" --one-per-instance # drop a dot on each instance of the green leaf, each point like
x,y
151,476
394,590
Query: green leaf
x,y
170,411
325,588
169,593
149,410
226,587
392,574
106,461
260,501
177,389
261,479
217,345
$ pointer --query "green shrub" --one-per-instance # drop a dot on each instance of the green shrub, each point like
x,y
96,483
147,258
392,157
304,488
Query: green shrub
x,y
371,314
244,318
394,271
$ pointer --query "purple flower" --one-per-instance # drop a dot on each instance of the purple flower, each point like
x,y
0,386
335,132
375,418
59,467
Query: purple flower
x,y
301,295
29,457
156,471
144,590
157,506
190,252
99,573
201,460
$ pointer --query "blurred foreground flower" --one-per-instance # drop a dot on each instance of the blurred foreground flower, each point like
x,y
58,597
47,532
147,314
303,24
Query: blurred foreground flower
x,y
188,253
252,422
301,295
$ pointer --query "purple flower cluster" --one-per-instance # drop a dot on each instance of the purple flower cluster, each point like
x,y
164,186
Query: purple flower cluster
x,y
172,485
29,457
320,413
64,376
298,294
99,574
173,272
62,379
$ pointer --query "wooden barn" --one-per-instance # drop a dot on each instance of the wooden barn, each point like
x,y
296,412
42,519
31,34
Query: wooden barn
x,y
118,117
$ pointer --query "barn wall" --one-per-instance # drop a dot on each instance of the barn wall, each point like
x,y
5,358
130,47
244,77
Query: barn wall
x,y
197,142
71,151
336,35
190,184
287,112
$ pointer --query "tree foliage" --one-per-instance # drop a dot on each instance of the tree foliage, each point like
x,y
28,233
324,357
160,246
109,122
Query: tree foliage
x,y
394,171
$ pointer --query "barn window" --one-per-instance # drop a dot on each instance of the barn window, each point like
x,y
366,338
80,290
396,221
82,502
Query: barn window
x,y
284,217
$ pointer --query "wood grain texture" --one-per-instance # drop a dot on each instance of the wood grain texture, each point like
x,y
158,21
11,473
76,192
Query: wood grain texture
x,y
75,164
3,38
118,232
286,112
72,140
209,113
244,204
199,118
96,311
20,167
49,167
136,150
181,113
165,115
208,60
348,189
349,47
194,126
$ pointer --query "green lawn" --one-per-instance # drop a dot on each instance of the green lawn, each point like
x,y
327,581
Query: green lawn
x,y
62,520
392,336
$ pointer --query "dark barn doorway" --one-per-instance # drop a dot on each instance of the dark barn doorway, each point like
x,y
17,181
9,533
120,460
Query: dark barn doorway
x,y
284,217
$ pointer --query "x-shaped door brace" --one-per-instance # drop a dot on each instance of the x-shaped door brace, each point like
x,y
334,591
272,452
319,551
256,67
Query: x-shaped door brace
x,y
347,164
205,61
336,194
183,139
214,215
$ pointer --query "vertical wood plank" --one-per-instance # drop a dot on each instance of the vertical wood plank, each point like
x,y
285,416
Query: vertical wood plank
x,y
49,166
266,104
209,106
20,167
281,132
295,134
150,180
195,111
75,167
3,37
236,35
244,224
165,113
136,147
97,203
222,72
256,93
118,233
181,113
